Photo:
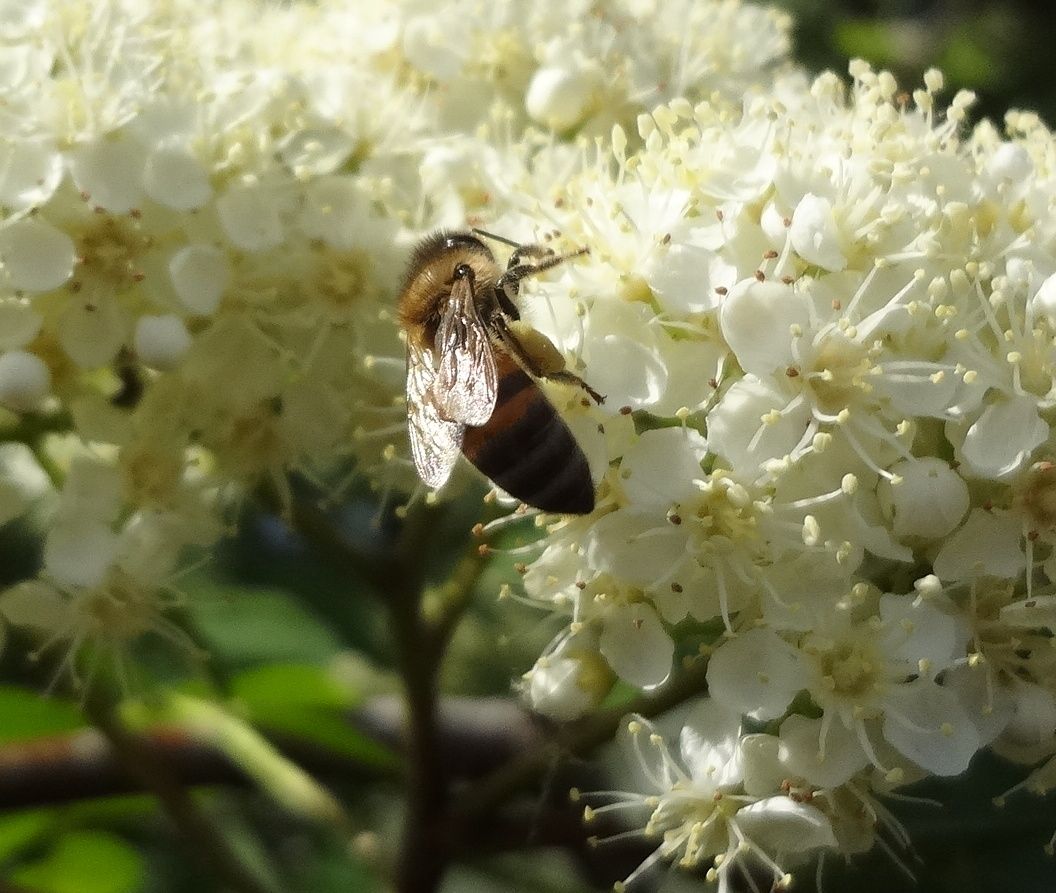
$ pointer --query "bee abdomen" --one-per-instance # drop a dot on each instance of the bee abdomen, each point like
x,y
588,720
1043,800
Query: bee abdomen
x,y
527,449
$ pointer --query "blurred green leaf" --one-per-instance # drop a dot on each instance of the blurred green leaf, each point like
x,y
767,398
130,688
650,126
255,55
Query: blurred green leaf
x,y
968,61
85,862
308,703
248,625
277,684
27,714
869,39
21,829
336,872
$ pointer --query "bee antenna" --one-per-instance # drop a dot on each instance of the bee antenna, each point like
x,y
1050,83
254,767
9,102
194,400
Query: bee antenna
x,y
503,239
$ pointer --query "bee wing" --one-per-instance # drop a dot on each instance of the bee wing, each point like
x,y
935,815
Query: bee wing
x,y
435,439
466,380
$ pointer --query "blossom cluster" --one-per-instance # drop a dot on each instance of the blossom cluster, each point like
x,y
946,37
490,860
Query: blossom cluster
x,y
204,221
825,327
823,318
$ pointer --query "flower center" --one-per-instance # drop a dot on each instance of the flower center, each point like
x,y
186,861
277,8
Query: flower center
x,y
110,250
1038,496
725,512
838,373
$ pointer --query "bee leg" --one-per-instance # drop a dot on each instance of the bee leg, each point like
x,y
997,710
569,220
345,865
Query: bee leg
x,y
537,354
509,283
532,250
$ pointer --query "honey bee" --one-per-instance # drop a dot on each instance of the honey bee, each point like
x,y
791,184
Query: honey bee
x,y
472,366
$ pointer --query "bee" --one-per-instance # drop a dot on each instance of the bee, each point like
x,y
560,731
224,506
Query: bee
x,y
472,366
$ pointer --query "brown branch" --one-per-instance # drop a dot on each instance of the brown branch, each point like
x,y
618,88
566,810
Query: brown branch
x,y
140,762
574,739
476,736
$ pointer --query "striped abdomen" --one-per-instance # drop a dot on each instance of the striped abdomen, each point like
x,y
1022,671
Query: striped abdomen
x,y
527,450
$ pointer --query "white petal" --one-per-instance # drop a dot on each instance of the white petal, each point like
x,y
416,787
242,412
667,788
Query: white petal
x,y
30,172
757,673
763,771
19,323
659,469
35,255
919,630
553,690
814,233
92,489
1033,721
1044,302
827,763
929,501
93,333
987,544
175,178
21,18
987,704
337,212
636,645
1010,162
250,217
757,321
110,172
626,371
919,395
24,380
680,280
1036,613
736,430
639,548
927,724
316,151
22,480
79,552
161,341
710,745
781,825
560,97
989,451
200,274
34,604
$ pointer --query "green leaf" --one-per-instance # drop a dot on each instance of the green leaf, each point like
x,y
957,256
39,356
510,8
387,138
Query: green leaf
x,y
870,39
250,625
19,830
85,862
307,703
26,714
968,60
277,684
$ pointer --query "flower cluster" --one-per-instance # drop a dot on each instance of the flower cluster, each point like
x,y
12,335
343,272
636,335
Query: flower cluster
x,y
826,331
204,218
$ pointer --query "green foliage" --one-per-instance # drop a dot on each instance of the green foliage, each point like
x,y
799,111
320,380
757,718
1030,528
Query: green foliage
x,y
306,704
27,714
85,862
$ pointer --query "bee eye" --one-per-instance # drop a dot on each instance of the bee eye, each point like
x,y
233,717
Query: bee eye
x,y
464,271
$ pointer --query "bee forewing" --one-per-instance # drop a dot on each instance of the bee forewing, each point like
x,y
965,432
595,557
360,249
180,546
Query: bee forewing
x,y
435,440
465,383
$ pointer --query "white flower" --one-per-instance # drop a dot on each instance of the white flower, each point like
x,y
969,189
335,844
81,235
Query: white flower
x,y
701,805
571,680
